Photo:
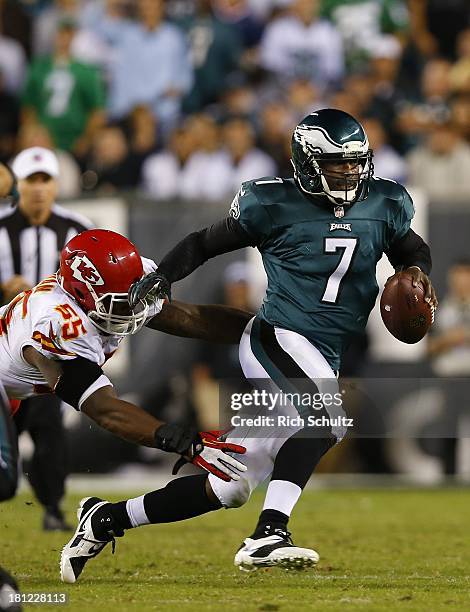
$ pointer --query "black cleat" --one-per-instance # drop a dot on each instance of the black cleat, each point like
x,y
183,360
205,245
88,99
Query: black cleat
x,y
95,529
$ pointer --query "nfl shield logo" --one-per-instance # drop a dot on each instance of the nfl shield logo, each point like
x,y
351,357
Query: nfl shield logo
x,y
339,212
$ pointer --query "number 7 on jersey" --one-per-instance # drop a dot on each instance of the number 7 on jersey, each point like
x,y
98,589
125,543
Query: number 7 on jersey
x,y
334,281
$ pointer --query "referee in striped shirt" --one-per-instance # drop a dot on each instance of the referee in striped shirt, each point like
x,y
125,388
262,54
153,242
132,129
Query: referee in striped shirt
x,y
32,234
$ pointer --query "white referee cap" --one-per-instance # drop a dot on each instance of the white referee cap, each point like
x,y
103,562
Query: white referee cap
x,y
35,159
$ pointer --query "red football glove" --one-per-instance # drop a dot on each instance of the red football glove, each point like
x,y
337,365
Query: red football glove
x,y
210,453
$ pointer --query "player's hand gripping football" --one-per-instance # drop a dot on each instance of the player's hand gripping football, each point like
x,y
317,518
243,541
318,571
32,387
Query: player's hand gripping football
x,y
418,276
204,449
152,287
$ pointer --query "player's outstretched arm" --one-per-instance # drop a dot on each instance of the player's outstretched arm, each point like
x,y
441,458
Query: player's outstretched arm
x,y
194,250
74,378
135,425
121,418
211,322
71,379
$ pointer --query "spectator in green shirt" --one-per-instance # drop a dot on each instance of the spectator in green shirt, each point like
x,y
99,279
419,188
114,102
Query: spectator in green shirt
x,y
362,23
64,95
215,51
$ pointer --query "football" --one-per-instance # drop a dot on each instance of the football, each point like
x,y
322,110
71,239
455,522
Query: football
x,y
404,312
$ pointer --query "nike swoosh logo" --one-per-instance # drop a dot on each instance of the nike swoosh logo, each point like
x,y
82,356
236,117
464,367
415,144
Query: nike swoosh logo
x,y
95,548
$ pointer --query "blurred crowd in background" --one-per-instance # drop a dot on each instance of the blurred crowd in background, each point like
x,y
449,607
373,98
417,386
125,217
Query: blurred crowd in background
x,y
187,98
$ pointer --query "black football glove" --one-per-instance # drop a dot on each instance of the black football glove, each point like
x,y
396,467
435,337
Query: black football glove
x,y
204,449
175,438
152,287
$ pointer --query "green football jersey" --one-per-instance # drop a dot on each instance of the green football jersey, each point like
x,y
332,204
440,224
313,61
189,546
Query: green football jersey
x,y
321,269
63,96
362,23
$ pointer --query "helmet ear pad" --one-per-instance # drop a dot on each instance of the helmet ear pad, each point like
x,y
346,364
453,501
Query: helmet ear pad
x,y
309,181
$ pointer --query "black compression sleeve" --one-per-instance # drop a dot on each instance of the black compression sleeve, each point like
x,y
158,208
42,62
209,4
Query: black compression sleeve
x,y
222,237
411,250
77,376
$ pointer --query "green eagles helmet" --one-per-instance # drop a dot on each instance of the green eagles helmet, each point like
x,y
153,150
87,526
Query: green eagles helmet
x,y
331,156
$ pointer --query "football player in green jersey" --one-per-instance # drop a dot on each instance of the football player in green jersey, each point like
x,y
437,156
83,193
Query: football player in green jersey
x,y
321,235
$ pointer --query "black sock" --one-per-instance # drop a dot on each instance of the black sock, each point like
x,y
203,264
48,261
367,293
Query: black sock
x,y
299,456
268,521
181,499
119,514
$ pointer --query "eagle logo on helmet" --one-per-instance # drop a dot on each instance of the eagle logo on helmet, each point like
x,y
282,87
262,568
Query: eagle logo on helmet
x,y
85,271
301,135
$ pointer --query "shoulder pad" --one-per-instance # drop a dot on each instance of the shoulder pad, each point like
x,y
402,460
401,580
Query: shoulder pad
x,y
388,188
270,189
64,332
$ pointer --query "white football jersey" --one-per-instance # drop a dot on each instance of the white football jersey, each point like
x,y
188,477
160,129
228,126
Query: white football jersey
x,y
50,320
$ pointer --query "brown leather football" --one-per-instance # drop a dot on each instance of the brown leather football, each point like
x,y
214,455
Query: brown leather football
x,y
404,312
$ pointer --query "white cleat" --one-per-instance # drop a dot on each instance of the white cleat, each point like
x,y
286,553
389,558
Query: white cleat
x,y
85,544
275,550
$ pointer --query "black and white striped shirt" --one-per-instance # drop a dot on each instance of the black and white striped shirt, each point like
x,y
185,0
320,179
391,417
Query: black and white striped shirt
x,y
33,251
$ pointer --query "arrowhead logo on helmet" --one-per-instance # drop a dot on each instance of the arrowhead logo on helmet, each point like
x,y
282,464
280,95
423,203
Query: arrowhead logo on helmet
x,y
85,271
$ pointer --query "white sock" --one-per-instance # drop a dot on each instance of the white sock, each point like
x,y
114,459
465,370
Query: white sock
x,y
136,511
282,496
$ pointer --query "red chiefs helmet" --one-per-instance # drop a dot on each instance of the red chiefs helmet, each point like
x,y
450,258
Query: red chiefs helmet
x,y
97,267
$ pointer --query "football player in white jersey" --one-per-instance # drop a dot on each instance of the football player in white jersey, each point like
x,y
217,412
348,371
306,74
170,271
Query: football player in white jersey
x,y
57,336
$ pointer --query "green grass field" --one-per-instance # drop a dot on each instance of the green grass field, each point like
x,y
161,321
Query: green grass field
x,y
380,550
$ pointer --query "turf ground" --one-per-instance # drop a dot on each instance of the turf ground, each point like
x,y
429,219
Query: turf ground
x,y
380,550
